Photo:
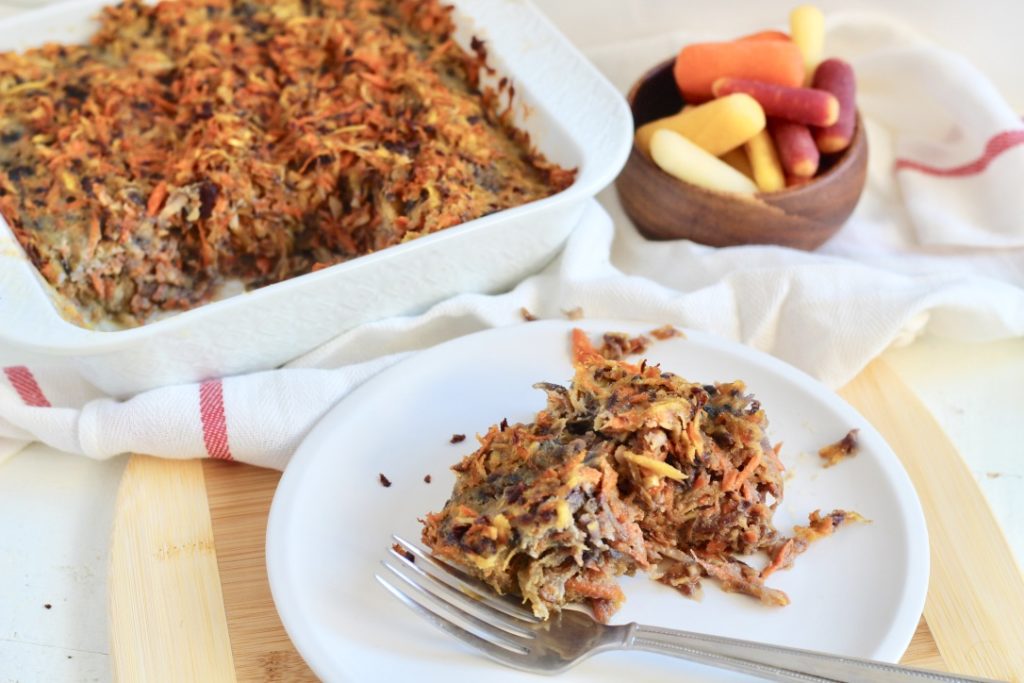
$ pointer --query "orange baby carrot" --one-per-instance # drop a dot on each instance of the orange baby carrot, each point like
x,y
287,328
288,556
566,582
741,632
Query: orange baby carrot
x,y
766,35
699,65
800,105
836,77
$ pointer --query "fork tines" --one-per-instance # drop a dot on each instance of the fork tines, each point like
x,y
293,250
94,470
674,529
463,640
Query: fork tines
x,y
457,603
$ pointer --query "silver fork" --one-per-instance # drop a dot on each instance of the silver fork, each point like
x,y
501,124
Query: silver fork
x,y
505,631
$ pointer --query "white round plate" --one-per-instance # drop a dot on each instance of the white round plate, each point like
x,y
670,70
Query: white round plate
x,y
857,593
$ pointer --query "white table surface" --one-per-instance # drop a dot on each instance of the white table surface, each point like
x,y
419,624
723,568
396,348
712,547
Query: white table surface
x,y
56,510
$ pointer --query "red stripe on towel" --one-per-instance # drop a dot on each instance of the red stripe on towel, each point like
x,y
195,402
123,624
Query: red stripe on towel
x,y
25,384
996,146
215,426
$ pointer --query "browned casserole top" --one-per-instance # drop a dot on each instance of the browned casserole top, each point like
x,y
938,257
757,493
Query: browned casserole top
x,y
194,141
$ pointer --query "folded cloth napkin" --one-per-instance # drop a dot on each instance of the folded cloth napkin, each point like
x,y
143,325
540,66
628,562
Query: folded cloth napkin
x,y
936,245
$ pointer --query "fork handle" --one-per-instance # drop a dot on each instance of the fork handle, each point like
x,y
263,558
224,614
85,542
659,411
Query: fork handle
x,y
777,663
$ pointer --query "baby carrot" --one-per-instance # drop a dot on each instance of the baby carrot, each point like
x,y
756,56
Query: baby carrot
x,y
797,151
807,26
800,105
766,35
765,162
737,158
836,77
679,157
699,65
716,126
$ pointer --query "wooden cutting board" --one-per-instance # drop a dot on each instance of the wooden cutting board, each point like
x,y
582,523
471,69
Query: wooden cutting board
x,y
189,598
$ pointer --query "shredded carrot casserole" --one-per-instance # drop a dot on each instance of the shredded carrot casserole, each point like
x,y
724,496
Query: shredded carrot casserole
x,y
629,468
195,141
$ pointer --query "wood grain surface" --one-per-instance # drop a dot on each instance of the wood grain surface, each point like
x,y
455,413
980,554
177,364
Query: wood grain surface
x,y
972,619
975,606
167,619
240,498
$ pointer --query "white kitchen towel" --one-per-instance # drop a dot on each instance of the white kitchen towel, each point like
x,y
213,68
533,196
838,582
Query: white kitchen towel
x,y
936,246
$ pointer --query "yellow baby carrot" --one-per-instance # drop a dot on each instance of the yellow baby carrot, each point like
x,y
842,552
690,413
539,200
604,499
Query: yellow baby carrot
x,y
765,162
679,157
807,27
716,126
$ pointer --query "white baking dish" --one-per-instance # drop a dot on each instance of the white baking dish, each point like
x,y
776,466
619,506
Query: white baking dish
x,y
572,113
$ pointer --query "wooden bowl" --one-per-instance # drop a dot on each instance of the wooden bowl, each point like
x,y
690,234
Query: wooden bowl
x,y
663,207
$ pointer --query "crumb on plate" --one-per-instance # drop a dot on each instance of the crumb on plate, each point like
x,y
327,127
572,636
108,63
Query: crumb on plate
x,y
846,447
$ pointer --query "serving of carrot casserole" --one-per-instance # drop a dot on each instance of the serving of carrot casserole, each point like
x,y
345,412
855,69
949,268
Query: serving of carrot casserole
x,y
628,468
